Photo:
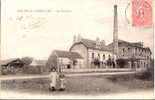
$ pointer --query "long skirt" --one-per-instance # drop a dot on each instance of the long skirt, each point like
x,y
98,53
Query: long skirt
x,y
56,83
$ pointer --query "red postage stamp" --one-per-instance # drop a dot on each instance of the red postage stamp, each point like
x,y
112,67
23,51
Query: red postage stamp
x,y
142,13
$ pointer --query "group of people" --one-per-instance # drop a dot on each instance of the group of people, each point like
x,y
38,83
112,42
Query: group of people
x,y
57,81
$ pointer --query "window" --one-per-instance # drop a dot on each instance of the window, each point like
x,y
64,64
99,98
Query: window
x,y
123,50
103,56
98,55
92,55
75,62
144,65
68,66
109,56
135,50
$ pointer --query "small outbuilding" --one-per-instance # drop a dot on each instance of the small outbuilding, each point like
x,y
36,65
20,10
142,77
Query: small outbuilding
x,y
64,60
10,66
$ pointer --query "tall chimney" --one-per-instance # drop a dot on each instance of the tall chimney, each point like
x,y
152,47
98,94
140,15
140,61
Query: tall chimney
x,y
115,33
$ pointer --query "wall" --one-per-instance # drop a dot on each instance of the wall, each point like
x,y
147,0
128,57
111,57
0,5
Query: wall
x,y
63,62
96,52
82,50
51,62
138,52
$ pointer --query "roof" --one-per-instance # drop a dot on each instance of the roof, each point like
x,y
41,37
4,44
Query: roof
x,y
68,54
8,61
91,44
133,44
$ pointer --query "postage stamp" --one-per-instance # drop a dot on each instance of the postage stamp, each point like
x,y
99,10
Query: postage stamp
x,y
142,13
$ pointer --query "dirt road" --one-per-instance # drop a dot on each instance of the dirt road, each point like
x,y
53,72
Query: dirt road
x,y
18,77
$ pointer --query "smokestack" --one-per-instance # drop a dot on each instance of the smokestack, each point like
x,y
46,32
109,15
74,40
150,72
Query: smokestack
x,y
115,33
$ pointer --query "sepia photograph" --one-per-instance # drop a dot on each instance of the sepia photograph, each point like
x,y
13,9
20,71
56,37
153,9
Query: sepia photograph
x,y
77,49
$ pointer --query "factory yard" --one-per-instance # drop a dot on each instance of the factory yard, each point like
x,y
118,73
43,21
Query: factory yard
x,y
92,85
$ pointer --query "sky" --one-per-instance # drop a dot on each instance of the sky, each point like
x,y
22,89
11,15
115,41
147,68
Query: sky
x,y
37,27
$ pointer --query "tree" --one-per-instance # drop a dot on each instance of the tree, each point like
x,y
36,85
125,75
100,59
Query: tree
x,y
27,60
109,62
121,62
97,62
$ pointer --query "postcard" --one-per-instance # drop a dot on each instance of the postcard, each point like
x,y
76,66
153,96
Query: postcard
x,y
83,49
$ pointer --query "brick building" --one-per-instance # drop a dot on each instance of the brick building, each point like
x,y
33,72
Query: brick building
x,y
136,55
134,52
91,50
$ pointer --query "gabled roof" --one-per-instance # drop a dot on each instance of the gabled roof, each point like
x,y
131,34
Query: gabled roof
x,y
91,44
68,54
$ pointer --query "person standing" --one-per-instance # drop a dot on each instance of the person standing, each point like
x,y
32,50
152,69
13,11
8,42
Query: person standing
x,y
53,78
62,82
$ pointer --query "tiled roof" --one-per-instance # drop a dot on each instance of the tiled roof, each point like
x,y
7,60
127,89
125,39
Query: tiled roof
x,y
133,44
68,54
136,44
91,44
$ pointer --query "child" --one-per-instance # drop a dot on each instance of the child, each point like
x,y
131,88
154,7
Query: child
x,y
53,77
62,82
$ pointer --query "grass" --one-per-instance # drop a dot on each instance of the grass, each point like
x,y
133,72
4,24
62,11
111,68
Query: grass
x,y
82,85
132,81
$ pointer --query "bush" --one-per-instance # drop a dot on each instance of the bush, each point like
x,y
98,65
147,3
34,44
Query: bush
x,y
32,70
23,70
11,70
147,75
27,60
